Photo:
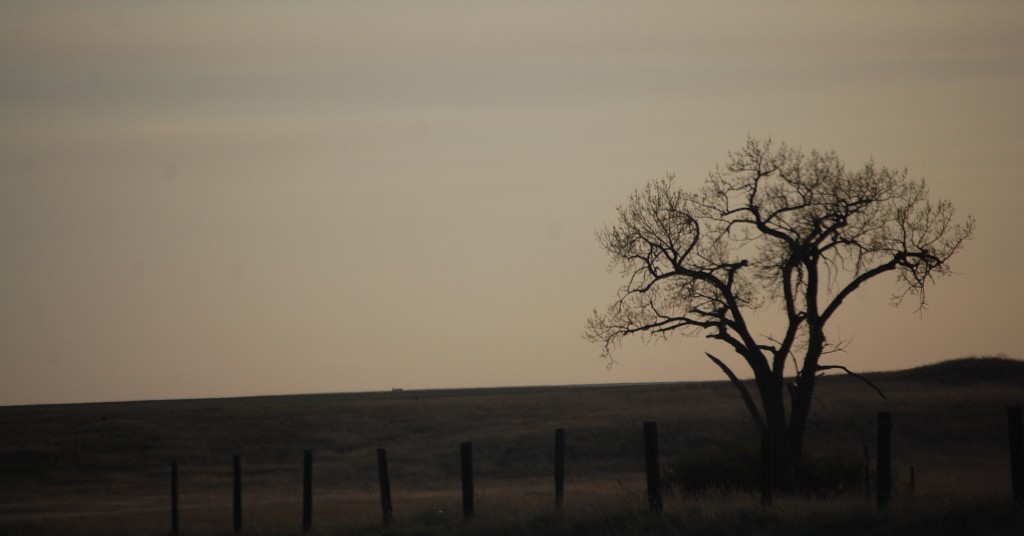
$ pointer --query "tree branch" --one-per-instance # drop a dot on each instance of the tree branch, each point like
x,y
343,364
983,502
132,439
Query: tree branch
x,y
747,399
855,375
857,282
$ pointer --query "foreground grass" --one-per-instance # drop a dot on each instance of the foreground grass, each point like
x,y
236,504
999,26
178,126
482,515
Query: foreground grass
x,y
725,515
740,516
91,469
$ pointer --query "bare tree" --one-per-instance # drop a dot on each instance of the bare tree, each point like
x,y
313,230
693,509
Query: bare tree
x,y
777,229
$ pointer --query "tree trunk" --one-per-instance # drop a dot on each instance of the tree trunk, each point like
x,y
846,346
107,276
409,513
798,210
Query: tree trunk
x,y
803,395
782,460
771,389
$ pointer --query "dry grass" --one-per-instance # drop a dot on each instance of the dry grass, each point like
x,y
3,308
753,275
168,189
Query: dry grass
x,y
103,468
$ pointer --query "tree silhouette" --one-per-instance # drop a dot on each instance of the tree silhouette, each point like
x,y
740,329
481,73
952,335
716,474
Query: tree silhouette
x,y
776,229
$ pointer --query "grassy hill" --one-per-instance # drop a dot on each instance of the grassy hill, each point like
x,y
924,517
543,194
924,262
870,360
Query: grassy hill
x,y
964,371
103,468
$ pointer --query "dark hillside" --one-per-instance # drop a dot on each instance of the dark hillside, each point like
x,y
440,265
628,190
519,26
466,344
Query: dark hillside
x,y
963,371
108,463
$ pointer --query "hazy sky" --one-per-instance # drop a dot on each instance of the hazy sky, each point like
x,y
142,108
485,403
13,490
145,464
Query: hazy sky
x,y
239,197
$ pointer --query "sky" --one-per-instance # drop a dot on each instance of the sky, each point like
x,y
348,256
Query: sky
x,y
233,198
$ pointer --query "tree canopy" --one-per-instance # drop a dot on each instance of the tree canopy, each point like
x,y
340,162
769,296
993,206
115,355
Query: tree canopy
x,y
774,229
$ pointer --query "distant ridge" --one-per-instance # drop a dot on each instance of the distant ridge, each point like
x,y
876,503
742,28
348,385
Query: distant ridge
x,y
964,370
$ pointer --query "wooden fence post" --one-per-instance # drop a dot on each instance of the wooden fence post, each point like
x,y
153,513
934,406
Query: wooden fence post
x,y
237,462
174,497
1016,433
307,490
467,480
867,471
559,468
913,481
385,486
883,465
767,466
652,465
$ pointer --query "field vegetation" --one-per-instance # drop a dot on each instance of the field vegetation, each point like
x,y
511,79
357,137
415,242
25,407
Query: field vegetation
x,y
104,468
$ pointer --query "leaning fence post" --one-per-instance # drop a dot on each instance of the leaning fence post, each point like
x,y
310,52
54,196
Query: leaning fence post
x,y
559,468
307,490
767,463
467,480
237,462
652,465
883,468
385,485
1014,427
174,497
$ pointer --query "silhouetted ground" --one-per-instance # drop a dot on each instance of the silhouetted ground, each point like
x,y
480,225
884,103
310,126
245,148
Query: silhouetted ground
x,y
967,370
104,468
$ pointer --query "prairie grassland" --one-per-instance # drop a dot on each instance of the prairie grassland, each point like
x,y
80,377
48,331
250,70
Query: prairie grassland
x,y
104,468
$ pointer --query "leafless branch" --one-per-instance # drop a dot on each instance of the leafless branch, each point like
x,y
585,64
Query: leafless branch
x,y
822,368
744,393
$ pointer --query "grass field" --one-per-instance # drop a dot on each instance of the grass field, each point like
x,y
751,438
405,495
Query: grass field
x,y
104,468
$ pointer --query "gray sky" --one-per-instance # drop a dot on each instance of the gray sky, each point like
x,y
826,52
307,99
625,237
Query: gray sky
x,y
234,198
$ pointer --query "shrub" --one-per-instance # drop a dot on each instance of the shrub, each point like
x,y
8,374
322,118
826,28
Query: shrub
x,y
718,467
735,467
830,473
